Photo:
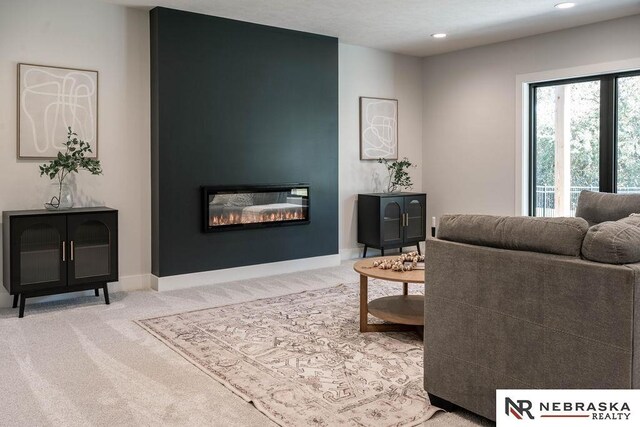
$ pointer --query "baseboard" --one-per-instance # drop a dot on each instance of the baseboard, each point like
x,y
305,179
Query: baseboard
x,y
139,282
125,284
184,281
351,253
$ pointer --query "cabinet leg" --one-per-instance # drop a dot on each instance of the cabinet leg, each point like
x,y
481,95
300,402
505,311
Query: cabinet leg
x,y
15,300
382,252
405,289
418,246
97,291
105,290
364,253
22,302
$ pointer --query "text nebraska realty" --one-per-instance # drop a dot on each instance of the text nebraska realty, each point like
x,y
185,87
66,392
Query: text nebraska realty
x,y
598,410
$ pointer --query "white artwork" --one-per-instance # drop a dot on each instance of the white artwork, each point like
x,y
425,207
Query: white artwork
x,y
50,100
378,128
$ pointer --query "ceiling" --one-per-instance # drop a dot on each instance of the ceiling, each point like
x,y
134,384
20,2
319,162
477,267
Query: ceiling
x,y
405,26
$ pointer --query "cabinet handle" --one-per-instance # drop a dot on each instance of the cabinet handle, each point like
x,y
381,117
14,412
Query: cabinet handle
x,y
72,250
64,251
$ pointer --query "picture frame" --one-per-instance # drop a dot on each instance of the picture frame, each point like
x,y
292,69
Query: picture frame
x,y
49,100
378,128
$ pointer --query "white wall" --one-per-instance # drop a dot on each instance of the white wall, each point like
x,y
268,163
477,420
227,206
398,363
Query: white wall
x,y
115,41
370,72
470,112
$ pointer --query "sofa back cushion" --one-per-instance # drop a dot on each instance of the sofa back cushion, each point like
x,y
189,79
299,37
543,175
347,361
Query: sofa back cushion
x,y
561,236
614,242
601,207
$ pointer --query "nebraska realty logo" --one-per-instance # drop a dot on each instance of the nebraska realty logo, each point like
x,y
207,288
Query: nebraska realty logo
x,y
566,407
519,409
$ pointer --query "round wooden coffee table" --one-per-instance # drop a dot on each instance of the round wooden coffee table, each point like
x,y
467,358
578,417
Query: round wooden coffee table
x,y
403,312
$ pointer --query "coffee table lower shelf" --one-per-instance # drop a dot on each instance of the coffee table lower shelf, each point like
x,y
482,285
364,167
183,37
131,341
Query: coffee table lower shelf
x,y
402,312
401,309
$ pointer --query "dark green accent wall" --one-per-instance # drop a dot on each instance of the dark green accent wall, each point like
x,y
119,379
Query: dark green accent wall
x,y
234,103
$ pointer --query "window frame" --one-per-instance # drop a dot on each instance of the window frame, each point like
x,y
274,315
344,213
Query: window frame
x,y
608,129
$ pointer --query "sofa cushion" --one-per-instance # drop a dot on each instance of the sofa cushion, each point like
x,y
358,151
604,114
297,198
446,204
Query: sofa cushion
x,y
614,242
601,207
561,236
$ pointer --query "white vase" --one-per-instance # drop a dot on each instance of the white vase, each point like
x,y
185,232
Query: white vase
x,y
61,197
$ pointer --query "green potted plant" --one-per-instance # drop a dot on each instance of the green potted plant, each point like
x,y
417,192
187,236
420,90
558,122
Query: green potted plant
x,y
398,174
70,161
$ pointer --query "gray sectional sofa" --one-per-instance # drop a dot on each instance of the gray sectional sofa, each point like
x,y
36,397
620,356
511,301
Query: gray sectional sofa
x,y
511,302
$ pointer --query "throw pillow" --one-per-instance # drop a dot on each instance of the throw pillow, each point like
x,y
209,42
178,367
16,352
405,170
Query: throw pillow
x,y
614,242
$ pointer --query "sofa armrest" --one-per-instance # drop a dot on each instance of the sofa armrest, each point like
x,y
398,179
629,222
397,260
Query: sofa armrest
x,y
497,318
635,268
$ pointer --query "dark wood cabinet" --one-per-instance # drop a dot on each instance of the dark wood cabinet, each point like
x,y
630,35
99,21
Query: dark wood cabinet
x,y
391,220
51,252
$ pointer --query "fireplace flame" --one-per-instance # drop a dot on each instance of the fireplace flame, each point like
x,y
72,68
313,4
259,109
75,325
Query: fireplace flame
x,y
256,217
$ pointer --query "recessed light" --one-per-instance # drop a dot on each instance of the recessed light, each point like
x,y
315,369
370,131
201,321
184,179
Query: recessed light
x,y
438,35
564,5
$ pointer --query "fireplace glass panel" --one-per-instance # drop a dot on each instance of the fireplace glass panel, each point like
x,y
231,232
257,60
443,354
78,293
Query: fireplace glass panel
x,y
256,207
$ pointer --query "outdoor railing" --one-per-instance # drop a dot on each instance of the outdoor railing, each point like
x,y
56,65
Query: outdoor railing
x,y
545,198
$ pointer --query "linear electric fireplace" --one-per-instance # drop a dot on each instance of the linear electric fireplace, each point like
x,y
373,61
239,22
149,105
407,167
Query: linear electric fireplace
x,y
229,208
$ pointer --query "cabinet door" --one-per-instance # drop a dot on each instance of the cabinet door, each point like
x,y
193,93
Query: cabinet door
x,y
37,252
93,247
391,209
415,211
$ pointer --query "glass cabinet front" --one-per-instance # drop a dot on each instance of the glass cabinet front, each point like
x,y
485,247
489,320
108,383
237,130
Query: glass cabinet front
x,y
40,253
415,228
90,248
392,222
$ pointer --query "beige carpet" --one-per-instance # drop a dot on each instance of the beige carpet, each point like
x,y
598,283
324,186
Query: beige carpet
x,y
301,360
80,362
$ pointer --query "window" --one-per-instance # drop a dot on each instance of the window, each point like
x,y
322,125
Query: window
x,y
628,134
584,135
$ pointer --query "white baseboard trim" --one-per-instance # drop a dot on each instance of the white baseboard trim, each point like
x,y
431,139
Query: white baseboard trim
x,y
139,282
350,253
136,282
184,281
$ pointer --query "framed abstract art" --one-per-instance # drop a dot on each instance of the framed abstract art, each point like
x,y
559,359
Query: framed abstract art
x,y
50,100
378,128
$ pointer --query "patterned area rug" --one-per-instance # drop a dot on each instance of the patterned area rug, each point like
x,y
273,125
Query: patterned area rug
x,y
301,360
